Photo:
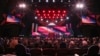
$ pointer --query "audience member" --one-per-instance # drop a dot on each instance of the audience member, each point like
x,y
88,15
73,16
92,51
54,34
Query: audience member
x,y
93,51
20,49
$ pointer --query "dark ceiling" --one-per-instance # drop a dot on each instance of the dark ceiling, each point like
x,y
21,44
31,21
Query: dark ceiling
x,y
7,5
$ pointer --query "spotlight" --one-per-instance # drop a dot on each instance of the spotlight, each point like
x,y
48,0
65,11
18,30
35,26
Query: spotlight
x,y
53,11
53,17
64,11
57,17
51,24
58,14
48,14
49,11
53,1
58,11
35,17
54,14
67,18
47,1
43,11
38,14
47,21
56,21
49,17
80,5
41,19
63,14
61,19
37,11
44,14
22,5
69,1
45,17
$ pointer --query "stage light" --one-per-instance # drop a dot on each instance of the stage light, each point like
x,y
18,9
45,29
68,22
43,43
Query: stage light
x,y
45,17
53,1
58,14
37,11
67,18
38,14
57,17
49,17
76,54
48,14
63,14
44,14
80,5
53,17
69,1
56,21
22,5
35,17
64,11
49,11
61,19
47,1
53,11
47,21
32,1
54,14
58,11
51,24
41,19
43,11
60,34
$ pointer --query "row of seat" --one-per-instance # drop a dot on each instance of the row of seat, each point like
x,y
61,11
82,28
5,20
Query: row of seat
x,y
56,52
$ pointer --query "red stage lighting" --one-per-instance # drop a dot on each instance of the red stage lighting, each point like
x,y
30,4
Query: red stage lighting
x,y
58,14
59,11
49,11
61,17
57,17
38,14
64,11
53,11
49,17
53,17
63,14
48,14
41,17
45,17
37,11
43,11
54,14
44,14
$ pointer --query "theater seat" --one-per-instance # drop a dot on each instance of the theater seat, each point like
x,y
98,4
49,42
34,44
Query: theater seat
x,y
36,52
49,52
62,52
